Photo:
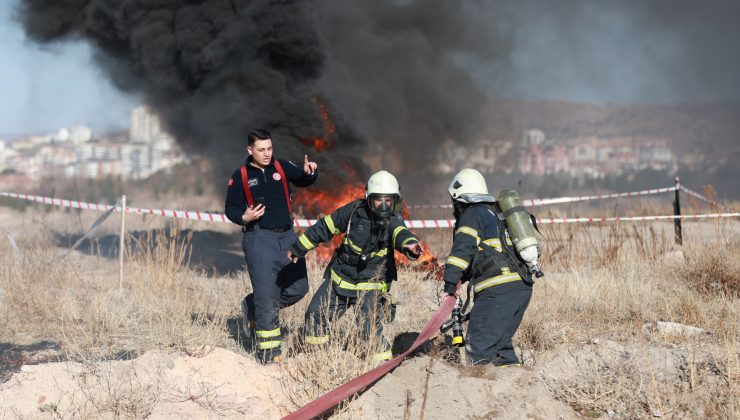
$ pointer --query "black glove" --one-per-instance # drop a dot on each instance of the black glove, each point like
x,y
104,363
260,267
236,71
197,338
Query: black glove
x,y
450,289
409,255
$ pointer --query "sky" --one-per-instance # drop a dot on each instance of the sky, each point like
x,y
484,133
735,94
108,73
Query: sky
x,y
44,88
628,51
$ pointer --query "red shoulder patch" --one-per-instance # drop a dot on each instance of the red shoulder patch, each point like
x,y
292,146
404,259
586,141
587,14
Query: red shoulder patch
x,y
231,182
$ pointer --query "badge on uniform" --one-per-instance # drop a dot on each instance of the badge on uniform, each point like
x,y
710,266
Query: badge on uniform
x,y
253,182
231,182
276,176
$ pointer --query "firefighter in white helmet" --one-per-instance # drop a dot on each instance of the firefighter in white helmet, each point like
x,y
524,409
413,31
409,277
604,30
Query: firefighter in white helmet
x,y
482,255
373,229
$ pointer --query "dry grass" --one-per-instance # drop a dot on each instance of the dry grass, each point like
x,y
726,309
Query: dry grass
x,y
582,332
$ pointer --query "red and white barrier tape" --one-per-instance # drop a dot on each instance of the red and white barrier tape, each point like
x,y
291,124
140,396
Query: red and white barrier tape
x,y
419,224
179,214
559,200
445,223
332,398
704,198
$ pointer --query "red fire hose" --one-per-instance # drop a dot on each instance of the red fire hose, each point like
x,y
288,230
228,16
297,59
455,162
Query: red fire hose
x,y
332,398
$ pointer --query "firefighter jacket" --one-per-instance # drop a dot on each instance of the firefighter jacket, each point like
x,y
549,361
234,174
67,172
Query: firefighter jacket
x,y
483,254
365,259
268,185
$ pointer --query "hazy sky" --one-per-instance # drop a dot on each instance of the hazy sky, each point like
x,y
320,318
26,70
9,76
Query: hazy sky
x,y
43,88
627,51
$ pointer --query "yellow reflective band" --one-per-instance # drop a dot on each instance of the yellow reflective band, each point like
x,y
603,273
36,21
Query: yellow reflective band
x,y
343,284
330,224
354,247
510,365
264,345
379,357
457,262
396,231
303,239
468,231
268,334
496,243
317,340
409,240
495,281
382,253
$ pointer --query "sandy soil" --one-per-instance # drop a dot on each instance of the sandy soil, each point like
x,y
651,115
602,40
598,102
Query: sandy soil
x,y
158,385
224,384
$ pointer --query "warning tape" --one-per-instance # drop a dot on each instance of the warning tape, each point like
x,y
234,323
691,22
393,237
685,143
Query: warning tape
x,y
559,200
419,224
332,398
96,224
179,214
704,198
444,223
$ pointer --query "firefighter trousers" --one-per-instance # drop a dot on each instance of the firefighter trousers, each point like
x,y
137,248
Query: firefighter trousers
x,y
276,283
493,321
327,306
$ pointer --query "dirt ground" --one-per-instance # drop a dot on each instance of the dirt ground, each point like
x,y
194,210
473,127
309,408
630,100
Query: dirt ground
x,y
579,371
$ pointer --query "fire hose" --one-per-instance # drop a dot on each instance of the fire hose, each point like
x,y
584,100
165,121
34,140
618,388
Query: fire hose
x,y
336,396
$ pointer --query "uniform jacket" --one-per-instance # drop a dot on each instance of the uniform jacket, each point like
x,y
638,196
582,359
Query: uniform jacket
x,y
365,259
269,185
478,256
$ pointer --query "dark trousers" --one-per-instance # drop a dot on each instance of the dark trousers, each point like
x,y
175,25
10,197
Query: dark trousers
x,y
326,306
276,283
493,321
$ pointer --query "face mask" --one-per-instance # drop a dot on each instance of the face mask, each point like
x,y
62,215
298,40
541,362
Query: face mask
x,y
457,208
383,211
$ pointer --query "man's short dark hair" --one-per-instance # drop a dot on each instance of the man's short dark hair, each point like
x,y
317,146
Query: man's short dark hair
x,y
259,134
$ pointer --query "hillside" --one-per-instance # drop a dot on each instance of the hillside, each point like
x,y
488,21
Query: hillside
x,y
710,129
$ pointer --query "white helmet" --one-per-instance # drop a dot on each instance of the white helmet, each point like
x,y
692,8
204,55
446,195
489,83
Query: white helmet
x,y
382,183
468,181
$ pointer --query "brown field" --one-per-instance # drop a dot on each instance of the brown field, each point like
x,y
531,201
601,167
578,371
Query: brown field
x,y
594,340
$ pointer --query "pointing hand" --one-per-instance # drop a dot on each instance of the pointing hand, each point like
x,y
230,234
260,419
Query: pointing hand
x,y
309,167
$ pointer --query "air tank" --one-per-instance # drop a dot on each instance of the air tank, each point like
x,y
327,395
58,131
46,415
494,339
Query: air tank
x,y
520,229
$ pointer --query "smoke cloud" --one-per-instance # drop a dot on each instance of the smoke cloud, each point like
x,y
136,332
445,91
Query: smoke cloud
x,y
388,72
397,77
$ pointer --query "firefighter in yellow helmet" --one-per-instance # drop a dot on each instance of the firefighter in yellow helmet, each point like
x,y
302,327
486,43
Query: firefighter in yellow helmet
x,y
483,255
363,266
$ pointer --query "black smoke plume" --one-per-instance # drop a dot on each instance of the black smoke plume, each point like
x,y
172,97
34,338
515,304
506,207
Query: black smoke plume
x,y
394,74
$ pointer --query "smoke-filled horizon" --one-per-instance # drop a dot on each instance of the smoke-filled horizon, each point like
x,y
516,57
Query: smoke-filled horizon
x,y
399,76
389,73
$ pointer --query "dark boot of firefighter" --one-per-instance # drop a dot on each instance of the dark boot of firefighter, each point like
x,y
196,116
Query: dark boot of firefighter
x,y
482,254
363,266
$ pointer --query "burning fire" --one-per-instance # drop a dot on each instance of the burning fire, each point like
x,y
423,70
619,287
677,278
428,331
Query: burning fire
x,y
320,203
324,142
316,204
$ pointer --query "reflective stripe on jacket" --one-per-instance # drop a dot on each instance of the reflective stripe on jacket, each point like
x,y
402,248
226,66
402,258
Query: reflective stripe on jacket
x,y
366,252
477,254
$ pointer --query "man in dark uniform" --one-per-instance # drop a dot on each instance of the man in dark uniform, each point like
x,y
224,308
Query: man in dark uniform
x,y
258,199
364,266
483,254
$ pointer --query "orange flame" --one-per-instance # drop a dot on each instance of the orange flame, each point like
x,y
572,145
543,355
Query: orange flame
x,y
324,142
320,203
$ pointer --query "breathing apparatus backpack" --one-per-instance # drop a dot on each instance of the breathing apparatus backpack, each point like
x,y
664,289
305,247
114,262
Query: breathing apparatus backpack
x,y
521,226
